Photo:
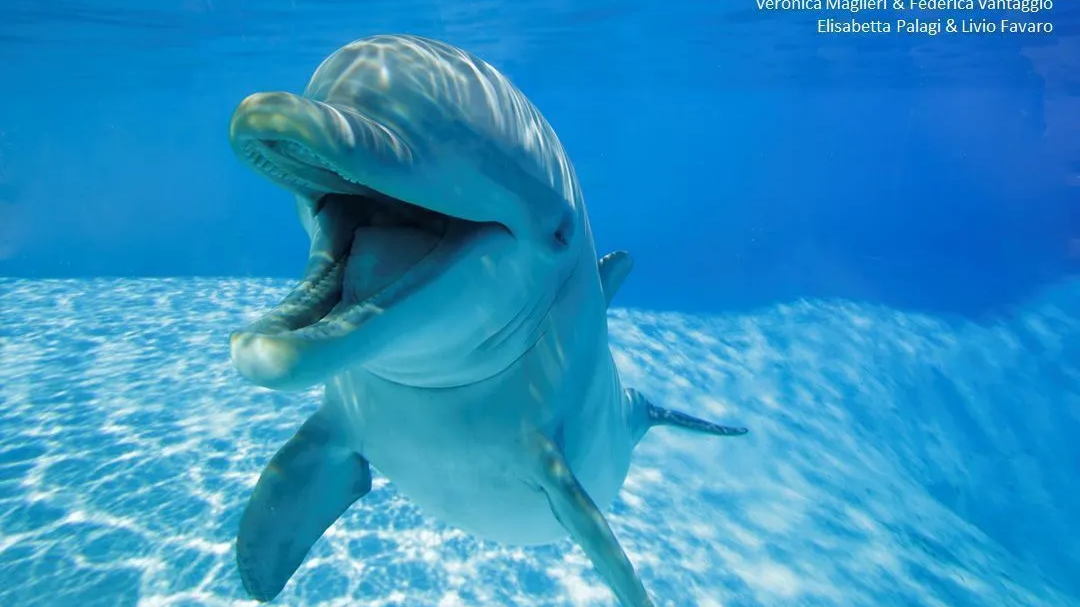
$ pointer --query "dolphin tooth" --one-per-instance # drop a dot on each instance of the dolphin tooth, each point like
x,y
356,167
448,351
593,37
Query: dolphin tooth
x,y
309,301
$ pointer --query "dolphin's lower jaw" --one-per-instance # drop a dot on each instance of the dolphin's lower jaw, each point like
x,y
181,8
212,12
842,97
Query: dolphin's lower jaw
x,y
313,334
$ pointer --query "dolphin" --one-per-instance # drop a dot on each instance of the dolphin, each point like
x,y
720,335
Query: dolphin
x,y
452,306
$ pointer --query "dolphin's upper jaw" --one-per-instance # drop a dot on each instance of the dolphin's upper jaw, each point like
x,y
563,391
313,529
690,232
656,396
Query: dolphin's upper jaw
x,y
295,142
293,166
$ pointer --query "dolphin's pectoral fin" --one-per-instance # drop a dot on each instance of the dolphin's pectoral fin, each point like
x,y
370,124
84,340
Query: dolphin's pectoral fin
x,y
577,513
646,415
614,268
308,484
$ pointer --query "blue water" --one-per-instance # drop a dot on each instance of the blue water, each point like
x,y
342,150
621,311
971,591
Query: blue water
x,y
895,459
743,158
865,249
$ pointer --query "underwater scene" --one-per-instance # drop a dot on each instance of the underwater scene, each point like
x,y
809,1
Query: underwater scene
x,y
456,303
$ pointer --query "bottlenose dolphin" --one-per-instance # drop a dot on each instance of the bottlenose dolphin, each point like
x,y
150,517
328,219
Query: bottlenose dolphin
x,y
452,305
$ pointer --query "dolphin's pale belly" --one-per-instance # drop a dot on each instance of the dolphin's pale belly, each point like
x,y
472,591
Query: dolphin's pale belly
x,y
479,495
462,461
473,482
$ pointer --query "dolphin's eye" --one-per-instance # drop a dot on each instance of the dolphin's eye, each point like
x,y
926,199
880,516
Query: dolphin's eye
x,y
560,238
564,232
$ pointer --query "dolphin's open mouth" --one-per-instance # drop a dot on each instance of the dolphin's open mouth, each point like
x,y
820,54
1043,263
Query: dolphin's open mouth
x,y
368,252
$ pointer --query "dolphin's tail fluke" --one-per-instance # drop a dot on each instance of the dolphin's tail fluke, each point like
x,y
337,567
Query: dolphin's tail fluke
x,y
646,415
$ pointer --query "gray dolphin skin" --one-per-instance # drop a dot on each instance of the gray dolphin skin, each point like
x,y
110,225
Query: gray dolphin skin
x,y
452,306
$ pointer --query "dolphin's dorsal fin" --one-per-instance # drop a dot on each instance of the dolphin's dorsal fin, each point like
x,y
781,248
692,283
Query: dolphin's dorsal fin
x,y
614,268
